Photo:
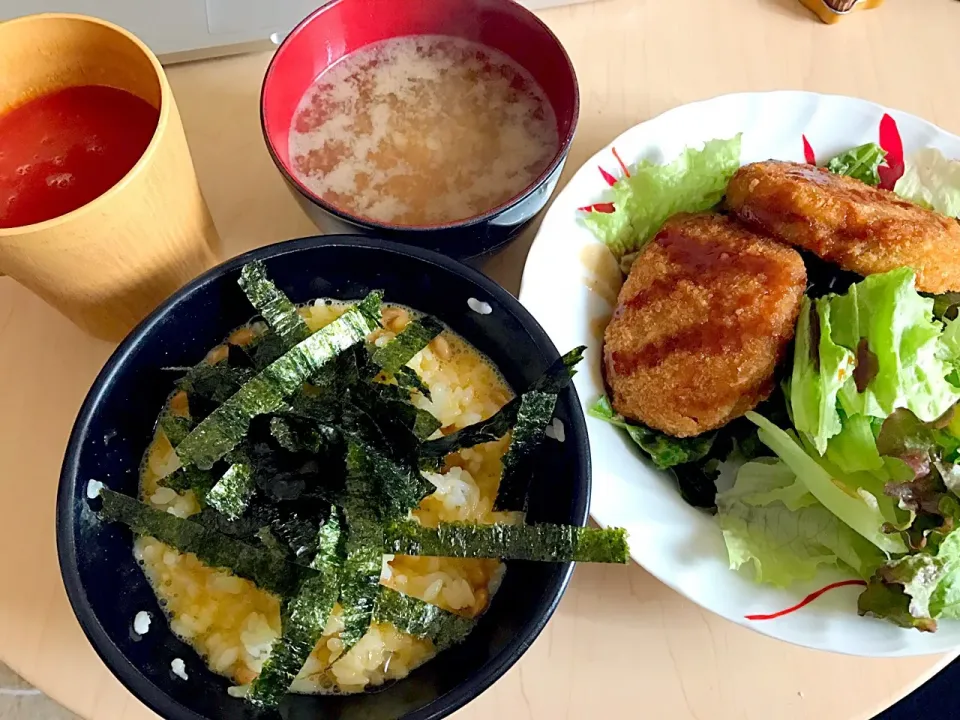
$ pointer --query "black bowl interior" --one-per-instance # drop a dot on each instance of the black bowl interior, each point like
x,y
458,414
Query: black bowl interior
x,y
107,588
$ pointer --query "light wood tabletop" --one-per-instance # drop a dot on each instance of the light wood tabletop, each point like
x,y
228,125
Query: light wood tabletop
x,y
621,644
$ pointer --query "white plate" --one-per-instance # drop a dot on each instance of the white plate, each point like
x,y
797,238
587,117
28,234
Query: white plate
x,y
682,546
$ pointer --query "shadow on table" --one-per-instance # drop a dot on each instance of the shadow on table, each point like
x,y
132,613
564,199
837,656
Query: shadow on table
x,y
937,698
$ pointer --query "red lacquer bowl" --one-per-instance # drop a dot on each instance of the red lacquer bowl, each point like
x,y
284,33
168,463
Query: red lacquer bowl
x,y
343,26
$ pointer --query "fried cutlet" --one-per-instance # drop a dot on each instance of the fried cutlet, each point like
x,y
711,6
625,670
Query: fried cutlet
x,y
702,320
847,222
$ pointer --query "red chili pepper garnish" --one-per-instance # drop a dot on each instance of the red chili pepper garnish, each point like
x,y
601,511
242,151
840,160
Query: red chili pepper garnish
x,y
623,165
610,179
891,142
598,207
808,155
806,601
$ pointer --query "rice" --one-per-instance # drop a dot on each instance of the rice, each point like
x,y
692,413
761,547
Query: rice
x,y
232,624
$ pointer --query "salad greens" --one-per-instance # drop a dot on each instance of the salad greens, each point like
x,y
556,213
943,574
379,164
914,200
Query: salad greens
x,y
306,452
916,590
862,163
696,180
899,348
692,461
932,180
820,368
665,451
771,520
874,440
878,348
857,507
864,429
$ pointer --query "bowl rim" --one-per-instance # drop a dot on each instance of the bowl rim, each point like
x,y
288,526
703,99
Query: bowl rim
x,y
116,661
373,225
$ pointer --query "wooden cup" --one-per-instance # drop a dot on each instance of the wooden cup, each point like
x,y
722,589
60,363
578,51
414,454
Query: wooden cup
x,y
110,262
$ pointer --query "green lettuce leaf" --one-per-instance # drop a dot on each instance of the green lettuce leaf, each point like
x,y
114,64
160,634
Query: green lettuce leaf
x,y
932,180
898,346
860,163
771,521
860,509
854,448
696,180
949,351
768,480
946,306
890,602
665,451
820,369
916,590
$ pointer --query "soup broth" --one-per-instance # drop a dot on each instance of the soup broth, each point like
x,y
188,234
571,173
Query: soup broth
x,y
422,130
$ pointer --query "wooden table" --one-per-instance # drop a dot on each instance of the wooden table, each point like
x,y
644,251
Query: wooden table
x,y
621,644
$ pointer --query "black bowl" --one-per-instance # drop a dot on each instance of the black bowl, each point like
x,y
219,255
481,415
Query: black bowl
x,y
340,27
106,586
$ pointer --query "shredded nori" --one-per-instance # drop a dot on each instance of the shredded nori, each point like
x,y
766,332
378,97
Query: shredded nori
x,y
275,307
425,424
297,436
361,569
268,570
402,424
304,618
191,478
282,475
411,340
533,416
421,619
175,427
307,462
559,374
265,535
215,383
555,379
544,542
266,348
408,379
233,490
317,406
396,489
246,527
219,433
290,527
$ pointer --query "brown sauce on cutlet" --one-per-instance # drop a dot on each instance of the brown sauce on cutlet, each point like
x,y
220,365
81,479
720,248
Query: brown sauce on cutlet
x,y
767,215
710,265
814,174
